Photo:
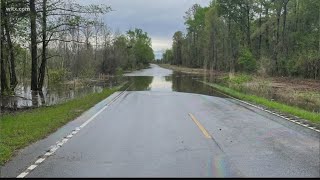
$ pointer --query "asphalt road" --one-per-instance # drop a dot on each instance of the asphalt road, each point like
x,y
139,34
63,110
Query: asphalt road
x,y
162,133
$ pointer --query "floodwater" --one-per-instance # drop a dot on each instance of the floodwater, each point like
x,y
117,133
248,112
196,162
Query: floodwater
x,y
154,78
177,82
24,98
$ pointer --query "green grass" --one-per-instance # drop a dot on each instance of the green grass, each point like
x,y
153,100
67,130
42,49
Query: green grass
x,y
20,129
314,117
238,79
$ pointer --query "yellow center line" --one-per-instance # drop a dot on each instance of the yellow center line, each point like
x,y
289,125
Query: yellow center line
x,y
203,130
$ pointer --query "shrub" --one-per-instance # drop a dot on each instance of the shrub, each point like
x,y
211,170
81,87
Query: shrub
x,y
57,76
246,61
119,71
264,67
240,79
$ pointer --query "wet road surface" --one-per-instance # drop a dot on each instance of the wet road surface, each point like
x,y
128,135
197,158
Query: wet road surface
x,y
167,125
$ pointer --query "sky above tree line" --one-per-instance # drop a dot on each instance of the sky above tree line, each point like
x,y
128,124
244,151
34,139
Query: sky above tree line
x,y
159,18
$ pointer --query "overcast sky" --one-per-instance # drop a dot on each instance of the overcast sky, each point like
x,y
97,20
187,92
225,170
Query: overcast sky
x,y
159,18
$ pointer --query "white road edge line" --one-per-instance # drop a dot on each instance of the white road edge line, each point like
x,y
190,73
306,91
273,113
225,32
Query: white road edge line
x,y
69,136
30,168
271,112
48,154
40,160
22,175
294,121
65,139
89,120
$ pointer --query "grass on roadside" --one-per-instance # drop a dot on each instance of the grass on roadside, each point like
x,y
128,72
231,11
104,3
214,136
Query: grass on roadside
x,y
21,129
314,117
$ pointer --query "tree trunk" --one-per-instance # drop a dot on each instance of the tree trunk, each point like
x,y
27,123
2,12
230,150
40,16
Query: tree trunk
x,y
194,51
278,23
216,56
42,70
13,77
4,85
231,57
317,72
267,30
285,3
260,35
276,46
95,50
248,25
213,52
78,49
296,14
34,64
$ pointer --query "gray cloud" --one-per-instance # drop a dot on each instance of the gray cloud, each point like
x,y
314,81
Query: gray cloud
x,y
159,18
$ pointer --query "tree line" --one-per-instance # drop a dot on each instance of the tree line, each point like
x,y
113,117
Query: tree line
x,y
60,40
268,37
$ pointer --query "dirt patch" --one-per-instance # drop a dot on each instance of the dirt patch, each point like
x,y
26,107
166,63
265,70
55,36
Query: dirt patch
x,y
187,70
296,83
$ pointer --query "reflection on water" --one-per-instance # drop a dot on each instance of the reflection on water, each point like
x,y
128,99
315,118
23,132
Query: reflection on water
x,y
140,83
177,82
160,84
25,98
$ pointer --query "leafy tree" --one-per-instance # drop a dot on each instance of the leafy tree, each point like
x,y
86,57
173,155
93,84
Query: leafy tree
x,y
252,35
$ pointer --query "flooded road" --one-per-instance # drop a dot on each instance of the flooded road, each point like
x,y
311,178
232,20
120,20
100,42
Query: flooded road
x,y
165,126
151,79
177,82
154,78
164,80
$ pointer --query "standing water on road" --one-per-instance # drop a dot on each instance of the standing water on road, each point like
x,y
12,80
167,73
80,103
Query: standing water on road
x,y
154,78
160,79
176,82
